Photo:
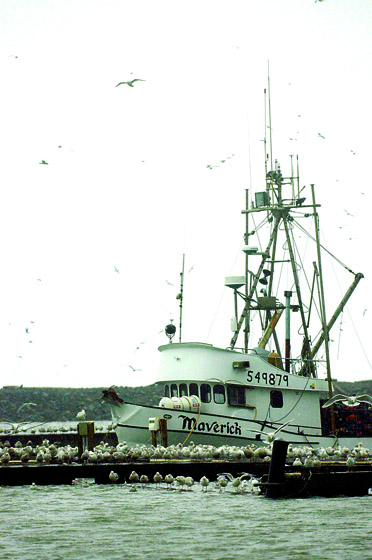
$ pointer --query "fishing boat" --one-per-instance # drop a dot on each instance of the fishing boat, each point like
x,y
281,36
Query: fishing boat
x,y
274,376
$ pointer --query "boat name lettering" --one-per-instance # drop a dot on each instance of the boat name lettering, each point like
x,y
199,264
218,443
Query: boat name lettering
x,y
215,427
268,378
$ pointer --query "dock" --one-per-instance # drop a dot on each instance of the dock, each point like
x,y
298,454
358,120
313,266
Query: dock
x,y
61,459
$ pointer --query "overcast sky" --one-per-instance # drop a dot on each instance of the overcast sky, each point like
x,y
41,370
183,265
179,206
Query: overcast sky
x,y
92,240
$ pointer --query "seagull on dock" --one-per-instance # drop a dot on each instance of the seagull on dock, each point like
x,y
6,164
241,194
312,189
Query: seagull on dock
x,y
81,415
348,401
130,82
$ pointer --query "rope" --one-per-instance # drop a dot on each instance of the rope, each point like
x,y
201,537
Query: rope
x,y
193,428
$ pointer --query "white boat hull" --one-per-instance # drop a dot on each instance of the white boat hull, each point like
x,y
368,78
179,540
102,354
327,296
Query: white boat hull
x,y
131,423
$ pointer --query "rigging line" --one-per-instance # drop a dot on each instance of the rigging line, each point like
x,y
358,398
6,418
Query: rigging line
x,y
296,403
301,267
326,250
360,342
260,225
221,298
339,336
350,317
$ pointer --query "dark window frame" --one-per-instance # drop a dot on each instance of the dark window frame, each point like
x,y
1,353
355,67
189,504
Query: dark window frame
x,y
182,390
219,391
205,392
192,387
236,395
276,398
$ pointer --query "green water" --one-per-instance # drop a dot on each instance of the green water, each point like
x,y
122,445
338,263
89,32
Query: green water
x,y
109,521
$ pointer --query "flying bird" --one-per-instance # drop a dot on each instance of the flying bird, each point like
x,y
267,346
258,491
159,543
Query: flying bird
x,y
117,270
43,162
321,136
28,405
133,368
270,436
130,82
348,401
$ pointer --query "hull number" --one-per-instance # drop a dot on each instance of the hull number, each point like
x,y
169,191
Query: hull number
x,y
268,378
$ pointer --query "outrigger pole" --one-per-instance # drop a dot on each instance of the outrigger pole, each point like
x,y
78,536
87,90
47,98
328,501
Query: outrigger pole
x,y
337,313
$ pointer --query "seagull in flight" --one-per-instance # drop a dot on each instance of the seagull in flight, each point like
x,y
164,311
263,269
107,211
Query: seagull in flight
x,y
348,401
133,368
28,405
321,136
43,162
130,82
270,436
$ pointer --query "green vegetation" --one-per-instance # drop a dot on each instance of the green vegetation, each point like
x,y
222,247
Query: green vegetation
x,y
62,404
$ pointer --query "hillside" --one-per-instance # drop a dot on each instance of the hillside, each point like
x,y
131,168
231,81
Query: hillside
x,y
62,404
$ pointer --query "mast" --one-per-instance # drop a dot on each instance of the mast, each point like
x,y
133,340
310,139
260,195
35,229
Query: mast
x,y
246,238
306,343
255,279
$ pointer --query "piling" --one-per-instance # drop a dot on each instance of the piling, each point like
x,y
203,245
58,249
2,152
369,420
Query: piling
x,y
276,479
85,436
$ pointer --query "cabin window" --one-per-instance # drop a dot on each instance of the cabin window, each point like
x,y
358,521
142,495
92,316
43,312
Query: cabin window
x,y
236,395
174,390
219,394
276,399
166,391
194,389
205,393
183,390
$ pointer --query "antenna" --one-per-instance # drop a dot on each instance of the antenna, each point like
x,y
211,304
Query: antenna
x,y
269,97
180,295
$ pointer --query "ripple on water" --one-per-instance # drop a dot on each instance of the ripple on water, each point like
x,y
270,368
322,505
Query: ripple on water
x,y
101,522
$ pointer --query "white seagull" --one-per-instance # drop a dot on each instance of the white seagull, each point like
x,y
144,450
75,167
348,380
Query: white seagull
x,y
81,415
348,401
270,436
130,82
